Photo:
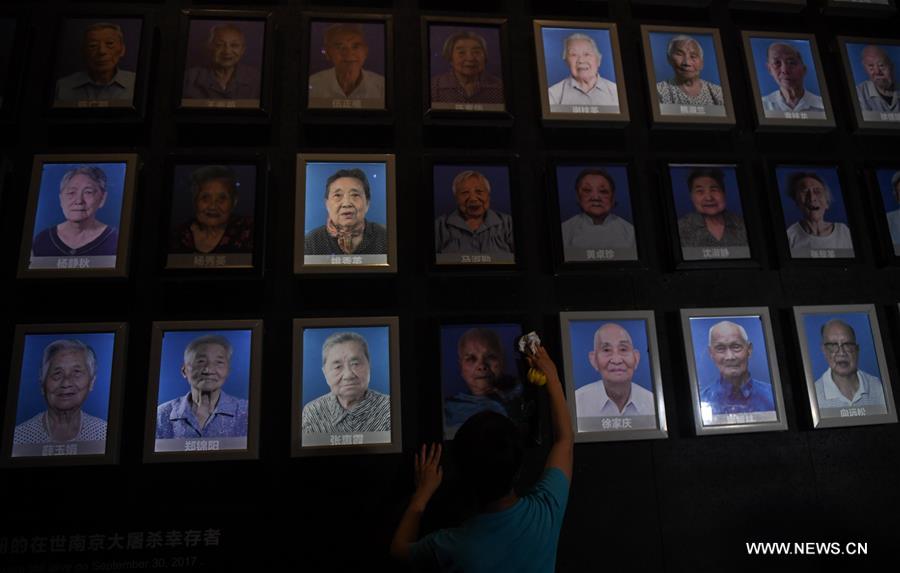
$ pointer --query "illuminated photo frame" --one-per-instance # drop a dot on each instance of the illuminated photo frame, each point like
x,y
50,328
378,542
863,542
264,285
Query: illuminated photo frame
x,y
865,61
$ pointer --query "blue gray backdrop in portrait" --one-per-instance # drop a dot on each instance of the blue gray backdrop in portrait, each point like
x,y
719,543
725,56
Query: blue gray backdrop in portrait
x,y
663,70
497,175
854,54
581,338
438,34
198,40
31,400
767,85
69,53
317,173
707,372
373,33
173,385
836,211
859,322
568,197
378,339
451,381
49,213
884,177
558,69
682,194
183,199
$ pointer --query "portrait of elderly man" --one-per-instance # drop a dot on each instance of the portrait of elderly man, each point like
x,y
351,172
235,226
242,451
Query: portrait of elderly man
x,y
102,48
488,387
347,200
785,64
82,193
686,87
473,227
813,197
345,47
843,384
710,224
615,358
467,81
206,410
67,375
878,93
584,85
893,217
350,406
735,391
596,226
223,75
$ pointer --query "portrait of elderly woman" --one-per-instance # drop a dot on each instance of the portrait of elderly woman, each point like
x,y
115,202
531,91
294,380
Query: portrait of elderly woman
x,y
708,224
473,56
475,357
343,47
813,235
684,79
594,224
223,62
472,227
218,201
206,410
67,375
346,231
83,191
351,405
582,84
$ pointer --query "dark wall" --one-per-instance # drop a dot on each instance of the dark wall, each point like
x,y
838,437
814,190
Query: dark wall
x,y
683,503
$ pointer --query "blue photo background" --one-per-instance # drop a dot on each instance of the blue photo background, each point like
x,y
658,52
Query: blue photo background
x,y
854,54
438,34
581,337
884,177
767,85
378,339
836,212
497,175
682,194
373,33
859,322
318,172
707,372
558,69
451,381
568,197
663,70
173,385
31,400
49,213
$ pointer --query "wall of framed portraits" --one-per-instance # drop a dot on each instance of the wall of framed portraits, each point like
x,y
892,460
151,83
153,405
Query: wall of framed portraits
x,y
255,253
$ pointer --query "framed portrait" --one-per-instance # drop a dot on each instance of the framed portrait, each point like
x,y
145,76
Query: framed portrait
x,y
844,364
479,373
78,217
580,71
203,395
815,217
874,91
789,88
888,181
473,214
349,62
215,213
346,386
345,218
709,211
101,62
613,380
64,394
595,212
686,75
733,370
224,63
465,64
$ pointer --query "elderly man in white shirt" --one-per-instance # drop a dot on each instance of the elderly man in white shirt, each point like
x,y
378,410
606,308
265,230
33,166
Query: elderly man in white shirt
x,y
843,384
785,65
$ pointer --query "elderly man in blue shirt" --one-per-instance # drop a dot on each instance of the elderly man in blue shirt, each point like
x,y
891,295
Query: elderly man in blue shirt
x,y
103,46
735,391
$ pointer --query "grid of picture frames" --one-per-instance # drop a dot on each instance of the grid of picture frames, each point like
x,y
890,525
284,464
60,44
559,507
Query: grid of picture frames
x,y
234,188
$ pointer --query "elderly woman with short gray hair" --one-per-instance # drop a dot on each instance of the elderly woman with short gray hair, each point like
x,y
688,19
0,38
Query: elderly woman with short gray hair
x,y
686,87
